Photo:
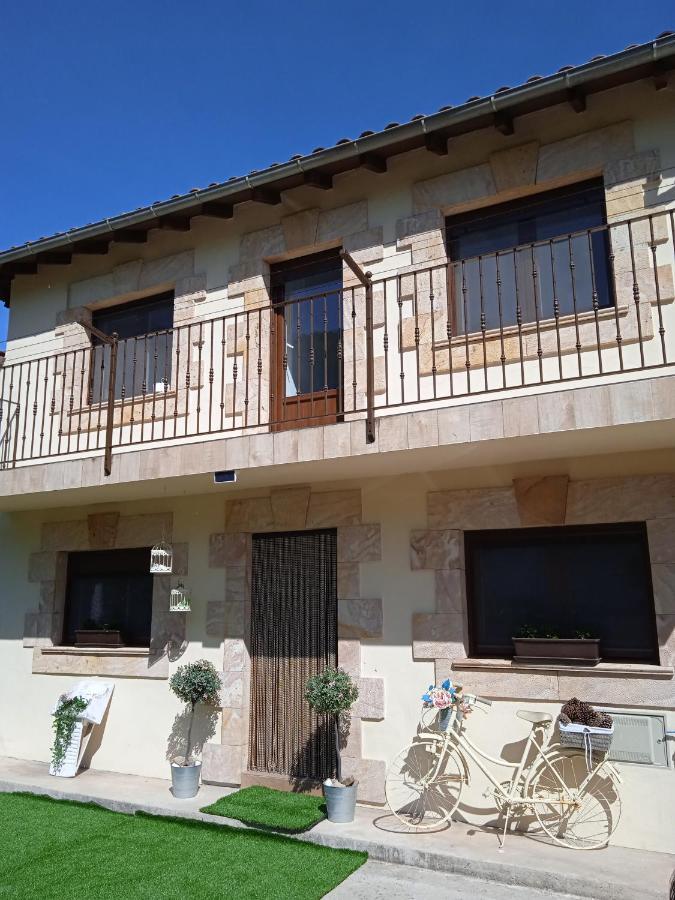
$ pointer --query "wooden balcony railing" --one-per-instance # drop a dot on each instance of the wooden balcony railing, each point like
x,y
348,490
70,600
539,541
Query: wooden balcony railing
x,y
598,302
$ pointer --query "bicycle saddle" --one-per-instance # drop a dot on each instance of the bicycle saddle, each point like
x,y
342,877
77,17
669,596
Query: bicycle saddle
x,y
533,716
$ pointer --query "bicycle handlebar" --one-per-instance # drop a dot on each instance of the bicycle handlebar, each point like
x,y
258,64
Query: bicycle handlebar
x,y
483,700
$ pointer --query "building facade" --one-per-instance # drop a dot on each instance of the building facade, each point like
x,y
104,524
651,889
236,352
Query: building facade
x,y
388,404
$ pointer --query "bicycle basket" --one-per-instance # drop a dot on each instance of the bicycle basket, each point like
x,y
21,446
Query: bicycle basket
x,y
583,737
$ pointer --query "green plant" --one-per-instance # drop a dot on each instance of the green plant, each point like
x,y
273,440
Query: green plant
x,y
528,631
66,714
332,692
194,683
582,635
551,634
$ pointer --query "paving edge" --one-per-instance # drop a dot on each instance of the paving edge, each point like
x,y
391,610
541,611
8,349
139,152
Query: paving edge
x,y
502,872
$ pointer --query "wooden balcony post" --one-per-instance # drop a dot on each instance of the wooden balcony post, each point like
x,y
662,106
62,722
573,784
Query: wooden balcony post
x,y
366,279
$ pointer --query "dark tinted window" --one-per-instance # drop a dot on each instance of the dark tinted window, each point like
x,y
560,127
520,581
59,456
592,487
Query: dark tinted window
x,y
498,249
307,291
593,578
144,353
110,588
137,318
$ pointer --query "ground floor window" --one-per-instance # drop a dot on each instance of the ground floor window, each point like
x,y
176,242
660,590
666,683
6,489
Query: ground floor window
x,y
109,590
593,579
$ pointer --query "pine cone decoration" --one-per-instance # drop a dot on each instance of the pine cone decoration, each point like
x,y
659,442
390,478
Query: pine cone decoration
x,y
576,710
572,709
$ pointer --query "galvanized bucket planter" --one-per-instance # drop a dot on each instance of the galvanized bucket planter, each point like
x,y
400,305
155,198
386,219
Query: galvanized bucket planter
x,y
185,780
340,802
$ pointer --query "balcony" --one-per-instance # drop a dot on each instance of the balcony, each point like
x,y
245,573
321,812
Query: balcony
x,y
593,305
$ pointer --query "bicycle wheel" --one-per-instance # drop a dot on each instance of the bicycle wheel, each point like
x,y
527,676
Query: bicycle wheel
x,y
424,784
576,808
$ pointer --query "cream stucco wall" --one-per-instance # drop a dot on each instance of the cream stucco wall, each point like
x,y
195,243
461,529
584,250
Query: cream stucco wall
x,y
142,710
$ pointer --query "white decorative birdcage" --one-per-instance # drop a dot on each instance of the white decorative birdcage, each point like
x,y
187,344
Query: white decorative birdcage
x,y
179,599
161,559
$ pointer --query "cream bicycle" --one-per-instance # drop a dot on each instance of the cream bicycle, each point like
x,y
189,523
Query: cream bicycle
x,y
577,804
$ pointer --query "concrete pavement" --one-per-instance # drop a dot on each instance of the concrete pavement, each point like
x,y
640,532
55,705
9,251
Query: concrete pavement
x,y
385,881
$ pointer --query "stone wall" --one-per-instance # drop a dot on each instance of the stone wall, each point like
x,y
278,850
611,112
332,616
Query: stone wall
x,y
359,619
552,500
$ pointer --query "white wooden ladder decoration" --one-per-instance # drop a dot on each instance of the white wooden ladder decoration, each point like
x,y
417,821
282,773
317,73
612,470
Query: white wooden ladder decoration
x,y
98,694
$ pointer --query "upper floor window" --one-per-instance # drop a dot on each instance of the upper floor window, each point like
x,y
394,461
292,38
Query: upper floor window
x,y
144,352
528,259
109,592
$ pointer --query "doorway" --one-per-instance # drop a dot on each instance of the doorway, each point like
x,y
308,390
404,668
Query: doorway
x,y
307,342
293,636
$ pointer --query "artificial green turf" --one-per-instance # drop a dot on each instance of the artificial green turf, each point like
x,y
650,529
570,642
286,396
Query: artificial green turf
x,y
58,849
267,808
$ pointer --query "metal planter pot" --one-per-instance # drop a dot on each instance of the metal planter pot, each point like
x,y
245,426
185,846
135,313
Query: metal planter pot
x,y
340,802
185,780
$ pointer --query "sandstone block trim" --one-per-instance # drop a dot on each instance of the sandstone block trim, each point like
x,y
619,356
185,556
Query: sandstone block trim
x,y
359,619
102,531
532,502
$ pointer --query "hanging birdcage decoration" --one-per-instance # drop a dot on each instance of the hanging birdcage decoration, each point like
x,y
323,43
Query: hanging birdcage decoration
x,y
179,599
161,559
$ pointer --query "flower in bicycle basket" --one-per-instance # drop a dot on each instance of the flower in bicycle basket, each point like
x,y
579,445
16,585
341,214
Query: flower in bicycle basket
x,y
441,697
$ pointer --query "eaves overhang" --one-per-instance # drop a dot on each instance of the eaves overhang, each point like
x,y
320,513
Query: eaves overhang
x,y
655,59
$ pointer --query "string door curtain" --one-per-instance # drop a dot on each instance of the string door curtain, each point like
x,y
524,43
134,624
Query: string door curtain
x,y
293,636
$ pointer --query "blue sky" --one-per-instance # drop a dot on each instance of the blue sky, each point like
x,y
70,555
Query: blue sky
x,y
106,107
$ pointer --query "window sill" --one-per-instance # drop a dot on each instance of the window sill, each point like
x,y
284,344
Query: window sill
x,y
108,662
96,651
602,670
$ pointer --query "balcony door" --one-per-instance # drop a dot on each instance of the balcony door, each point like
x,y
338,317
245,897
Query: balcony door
x,y
307,340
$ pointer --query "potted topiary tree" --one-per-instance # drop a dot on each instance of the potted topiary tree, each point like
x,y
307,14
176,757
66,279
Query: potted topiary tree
x,y
193,683
333,692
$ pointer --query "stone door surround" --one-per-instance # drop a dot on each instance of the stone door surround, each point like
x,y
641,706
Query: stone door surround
x,y
359,619
43,626
544,501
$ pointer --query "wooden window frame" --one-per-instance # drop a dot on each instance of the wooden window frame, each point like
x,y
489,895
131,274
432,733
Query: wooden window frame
x,y
332,399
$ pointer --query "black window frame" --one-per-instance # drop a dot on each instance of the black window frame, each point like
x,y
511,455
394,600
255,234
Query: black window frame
x,y
99,316
560,533
112,562
589,193
160,344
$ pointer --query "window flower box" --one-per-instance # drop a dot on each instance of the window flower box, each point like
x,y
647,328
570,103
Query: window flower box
x,y
577,651
98,637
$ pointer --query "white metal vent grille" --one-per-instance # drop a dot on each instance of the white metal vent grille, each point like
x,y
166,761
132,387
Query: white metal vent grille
x,y
639,738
